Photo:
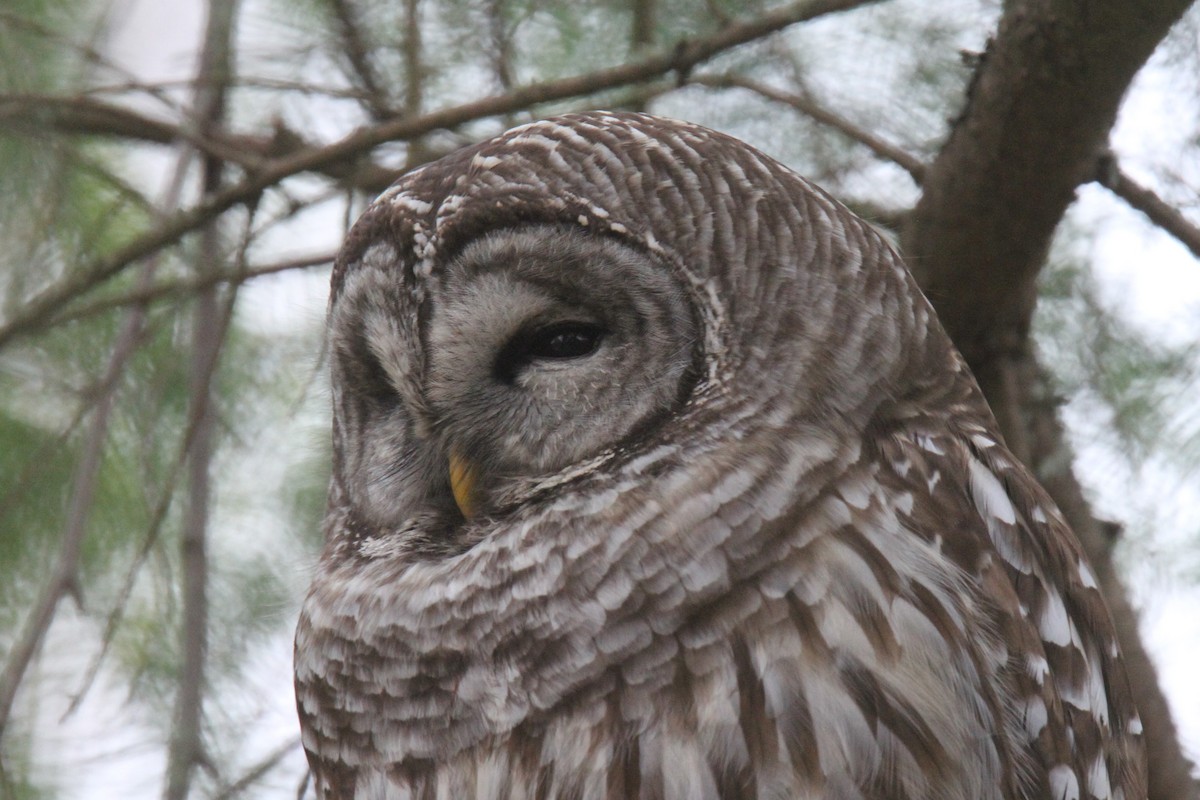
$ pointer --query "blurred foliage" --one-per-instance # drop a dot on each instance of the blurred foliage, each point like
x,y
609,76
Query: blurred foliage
x,y
1095,352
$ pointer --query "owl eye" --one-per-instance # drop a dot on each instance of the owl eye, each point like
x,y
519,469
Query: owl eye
x,y
557,342
564,340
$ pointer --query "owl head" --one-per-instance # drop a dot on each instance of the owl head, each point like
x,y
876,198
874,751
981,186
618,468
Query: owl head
x,y
584,291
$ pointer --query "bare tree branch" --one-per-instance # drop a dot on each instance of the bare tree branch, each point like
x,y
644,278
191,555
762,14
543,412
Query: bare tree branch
x,y
260,769
645,24
209,324
414,78
1110,175
681,59
885,150
642,32
358,52
188,286
500,38
1028,137
157,518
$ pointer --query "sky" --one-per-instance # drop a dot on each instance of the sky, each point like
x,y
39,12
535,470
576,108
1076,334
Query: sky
x,y
1147,275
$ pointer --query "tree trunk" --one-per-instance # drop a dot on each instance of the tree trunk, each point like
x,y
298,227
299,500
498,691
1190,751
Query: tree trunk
x,y
1036,122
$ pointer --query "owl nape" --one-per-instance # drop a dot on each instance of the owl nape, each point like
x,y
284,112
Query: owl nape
x,y
655,476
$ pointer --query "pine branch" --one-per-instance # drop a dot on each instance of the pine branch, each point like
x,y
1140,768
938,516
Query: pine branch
x,y
1110,175
346,152
64,578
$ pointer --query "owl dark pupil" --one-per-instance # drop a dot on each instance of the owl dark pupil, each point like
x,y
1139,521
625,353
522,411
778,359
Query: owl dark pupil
x,y
570,340
558,342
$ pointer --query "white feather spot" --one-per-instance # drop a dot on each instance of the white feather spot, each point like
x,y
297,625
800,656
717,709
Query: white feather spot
x,y
929,445
1035,716
1037,667
990,498
1063,783
1039,515
410,203
1097,694
1086,576
1097,779
856,493
486,162
1135,725
1054,624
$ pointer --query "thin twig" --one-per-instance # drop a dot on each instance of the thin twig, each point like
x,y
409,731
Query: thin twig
x,y
1110,175
255,773
89,52
189,285
64,577
157,518
501,41
358,53
909,163
34,114
681,58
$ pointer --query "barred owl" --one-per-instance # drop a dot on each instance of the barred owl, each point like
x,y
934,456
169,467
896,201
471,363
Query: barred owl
x,y
656,477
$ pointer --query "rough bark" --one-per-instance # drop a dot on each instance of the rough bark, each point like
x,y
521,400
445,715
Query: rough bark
x,y
1035,125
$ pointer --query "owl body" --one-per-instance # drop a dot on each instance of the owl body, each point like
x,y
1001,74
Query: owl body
x,y
655,477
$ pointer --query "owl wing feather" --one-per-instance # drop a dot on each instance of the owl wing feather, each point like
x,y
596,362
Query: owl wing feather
x,y
953,666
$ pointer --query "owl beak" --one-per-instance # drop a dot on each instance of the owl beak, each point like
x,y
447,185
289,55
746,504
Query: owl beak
x,y
462,483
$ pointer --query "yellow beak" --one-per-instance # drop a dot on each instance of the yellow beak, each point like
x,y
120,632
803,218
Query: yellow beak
x,y
462,484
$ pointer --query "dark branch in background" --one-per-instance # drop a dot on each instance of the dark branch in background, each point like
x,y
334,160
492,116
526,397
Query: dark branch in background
x,y
187,286
414,78
641,33
500,38
1038,111
102,397
885,150
1110,175
88,53
210,319
645,22
374,97
348,151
